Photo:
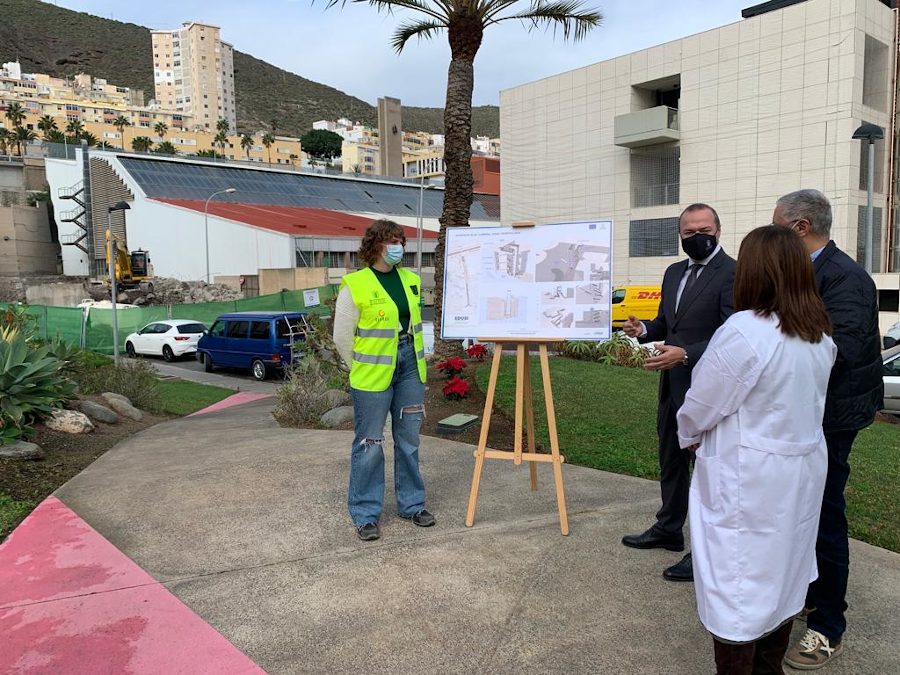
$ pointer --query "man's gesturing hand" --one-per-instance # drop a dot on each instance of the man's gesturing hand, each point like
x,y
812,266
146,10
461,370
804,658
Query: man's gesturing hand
x,y
668,357
632,327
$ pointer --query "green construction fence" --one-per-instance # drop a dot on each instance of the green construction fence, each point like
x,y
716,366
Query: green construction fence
x,y
92,328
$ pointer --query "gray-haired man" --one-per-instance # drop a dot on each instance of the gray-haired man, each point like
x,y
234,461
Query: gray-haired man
x,y
855,393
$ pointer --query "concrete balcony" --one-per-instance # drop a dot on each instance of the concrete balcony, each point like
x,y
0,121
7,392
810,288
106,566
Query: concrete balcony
x,y
647,127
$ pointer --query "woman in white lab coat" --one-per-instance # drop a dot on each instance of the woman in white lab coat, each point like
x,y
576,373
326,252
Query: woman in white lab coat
x,y
753,415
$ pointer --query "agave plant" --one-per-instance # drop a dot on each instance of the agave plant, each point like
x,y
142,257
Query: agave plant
x,y
17,320
31,386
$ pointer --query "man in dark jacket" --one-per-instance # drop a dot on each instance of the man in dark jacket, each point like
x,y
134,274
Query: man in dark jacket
x,y
697,298
855,394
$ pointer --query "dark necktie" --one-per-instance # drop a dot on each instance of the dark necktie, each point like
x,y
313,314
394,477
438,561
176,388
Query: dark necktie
x,y
693,271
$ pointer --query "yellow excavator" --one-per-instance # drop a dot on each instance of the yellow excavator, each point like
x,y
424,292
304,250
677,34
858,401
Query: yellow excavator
x,y
133,270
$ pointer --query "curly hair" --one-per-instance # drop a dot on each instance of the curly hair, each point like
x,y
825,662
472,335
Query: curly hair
x,y
377,233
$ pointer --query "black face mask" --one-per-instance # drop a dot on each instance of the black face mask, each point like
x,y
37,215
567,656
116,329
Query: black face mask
x,y
699,246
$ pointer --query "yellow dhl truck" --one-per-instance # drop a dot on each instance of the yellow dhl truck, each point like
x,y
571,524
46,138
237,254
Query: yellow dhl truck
x,y
639,301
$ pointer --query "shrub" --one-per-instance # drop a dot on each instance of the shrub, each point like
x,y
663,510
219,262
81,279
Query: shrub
x,y
135,379
31,386
300,400
456,389
452,367
16,320
619,350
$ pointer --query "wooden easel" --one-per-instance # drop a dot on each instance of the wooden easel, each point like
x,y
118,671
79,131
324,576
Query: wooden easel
x,y
523,401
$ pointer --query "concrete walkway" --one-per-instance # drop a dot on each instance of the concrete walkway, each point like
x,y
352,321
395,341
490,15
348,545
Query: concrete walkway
x,y
246,524
194,372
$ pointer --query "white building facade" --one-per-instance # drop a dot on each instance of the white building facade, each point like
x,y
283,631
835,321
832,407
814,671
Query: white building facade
x,y
734,117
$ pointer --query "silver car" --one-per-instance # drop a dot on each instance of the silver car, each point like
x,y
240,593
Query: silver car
x,y
891,360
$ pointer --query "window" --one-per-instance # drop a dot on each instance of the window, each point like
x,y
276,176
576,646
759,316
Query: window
x,y
653,237
888,300
875,74
293,326
876,238
655,176
259,330
191,328
238,329
618,296
892,368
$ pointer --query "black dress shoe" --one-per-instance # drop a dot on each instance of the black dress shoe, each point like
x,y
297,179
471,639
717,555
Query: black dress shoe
x,y
368,532
653,539
423,518
681,571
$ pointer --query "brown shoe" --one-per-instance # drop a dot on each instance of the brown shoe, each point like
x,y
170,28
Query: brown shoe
x,y
813,651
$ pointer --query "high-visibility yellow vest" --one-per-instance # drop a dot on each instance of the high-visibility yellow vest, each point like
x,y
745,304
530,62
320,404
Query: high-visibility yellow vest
x,y
378,331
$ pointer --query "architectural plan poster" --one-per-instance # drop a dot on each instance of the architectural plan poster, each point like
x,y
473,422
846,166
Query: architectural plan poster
x,y
546,281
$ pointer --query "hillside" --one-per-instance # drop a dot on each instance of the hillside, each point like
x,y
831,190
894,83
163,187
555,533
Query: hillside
x,y
50,39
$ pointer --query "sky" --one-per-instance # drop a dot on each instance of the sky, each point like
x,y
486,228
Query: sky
x,y
350,49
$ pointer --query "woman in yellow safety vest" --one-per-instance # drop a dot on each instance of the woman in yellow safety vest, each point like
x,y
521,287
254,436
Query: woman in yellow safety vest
x,y
378,332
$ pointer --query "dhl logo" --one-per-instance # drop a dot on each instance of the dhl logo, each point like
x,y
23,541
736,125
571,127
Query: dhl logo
x,y
649,295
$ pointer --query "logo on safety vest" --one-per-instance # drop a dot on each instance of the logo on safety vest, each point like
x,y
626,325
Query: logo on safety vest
x,y
381,312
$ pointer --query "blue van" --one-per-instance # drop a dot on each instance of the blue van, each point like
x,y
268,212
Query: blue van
x,y
260,342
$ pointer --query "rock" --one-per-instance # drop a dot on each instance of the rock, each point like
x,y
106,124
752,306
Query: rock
x,y
21,450
69,422
108,395
337,417
98,412
335,398
125,409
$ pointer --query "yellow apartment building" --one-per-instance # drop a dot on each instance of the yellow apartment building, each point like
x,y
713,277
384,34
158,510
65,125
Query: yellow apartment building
x,y
193,72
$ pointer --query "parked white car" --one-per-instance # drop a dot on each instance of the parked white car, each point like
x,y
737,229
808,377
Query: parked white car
x,y
890,358
892,337
169,339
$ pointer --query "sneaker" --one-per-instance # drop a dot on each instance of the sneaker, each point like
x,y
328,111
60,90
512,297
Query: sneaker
x,y
813,651
423,518
368,532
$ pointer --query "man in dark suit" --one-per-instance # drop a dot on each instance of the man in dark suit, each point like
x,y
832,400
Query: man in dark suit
x,y
855,394
697,298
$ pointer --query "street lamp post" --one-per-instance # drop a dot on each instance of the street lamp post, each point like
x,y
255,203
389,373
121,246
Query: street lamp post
x,y
113,251
420,224
206,223
869,133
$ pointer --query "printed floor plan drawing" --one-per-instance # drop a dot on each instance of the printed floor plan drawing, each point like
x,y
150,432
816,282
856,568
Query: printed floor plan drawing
x,y
593,318
509,260
557,317
509,308
591,294
557,293
462,295
543,281
569,261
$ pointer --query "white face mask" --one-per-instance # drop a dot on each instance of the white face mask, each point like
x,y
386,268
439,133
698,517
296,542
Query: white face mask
x,y
393,253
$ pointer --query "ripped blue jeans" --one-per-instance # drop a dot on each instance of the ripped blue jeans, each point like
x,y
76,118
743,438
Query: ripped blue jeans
x,y
404,399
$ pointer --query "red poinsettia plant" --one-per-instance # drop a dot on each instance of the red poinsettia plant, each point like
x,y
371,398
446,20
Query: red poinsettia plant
x,y
452,367
477,351
456,389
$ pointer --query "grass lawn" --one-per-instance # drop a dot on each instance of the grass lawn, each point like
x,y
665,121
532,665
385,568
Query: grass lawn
x,y
181,397
606,417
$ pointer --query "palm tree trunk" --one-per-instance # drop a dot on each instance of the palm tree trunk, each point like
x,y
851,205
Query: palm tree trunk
x,y
465,39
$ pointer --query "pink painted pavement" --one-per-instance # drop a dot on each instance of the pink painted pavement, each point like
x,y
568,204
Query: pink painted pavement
x,y
71,603
233,400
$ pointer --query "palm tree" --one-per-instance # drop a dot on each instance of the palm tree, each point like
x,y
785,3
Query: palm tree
x,y
120,123
105,145
141,144
165,148
15,114
161,128
223,125
76,128
47,124
208,153
56,136
246,144
6,139
89,138
22,136
221,138
268,140
465,22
